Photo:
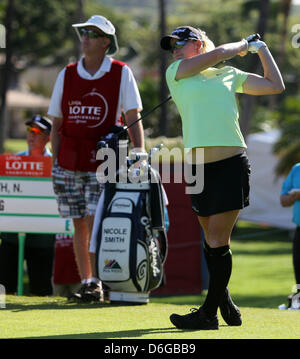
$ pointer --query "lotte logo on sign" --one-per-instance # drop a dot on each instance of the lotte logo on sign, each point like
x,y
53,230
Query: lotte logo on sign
x,y
23,165
14,165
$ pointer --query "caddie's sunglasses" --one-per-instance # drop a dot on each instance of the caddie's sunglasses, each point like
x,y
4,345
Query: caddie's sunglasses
x,y
34,130
91,34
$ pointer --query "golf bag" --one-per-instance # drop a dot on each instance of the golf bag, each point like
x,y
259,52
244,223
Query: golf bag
x,y
131,240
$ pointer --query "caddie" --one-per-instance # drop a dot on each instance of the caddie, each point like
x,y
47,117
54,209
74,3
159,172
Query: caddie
x,y
88,98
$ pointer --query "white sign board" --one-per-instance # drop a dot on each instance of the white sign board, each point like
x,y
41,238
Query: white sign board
x,y
265,187
27,200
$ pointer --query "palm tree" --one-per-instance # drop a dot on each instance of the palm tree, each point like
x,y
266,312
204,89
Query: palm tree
x,y
288,146
6,70
163,122
79,17
248,100
288,159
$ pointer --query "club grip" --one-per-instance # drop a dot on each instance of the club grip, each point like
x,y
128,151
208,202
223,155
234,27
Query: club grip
x,y
253,37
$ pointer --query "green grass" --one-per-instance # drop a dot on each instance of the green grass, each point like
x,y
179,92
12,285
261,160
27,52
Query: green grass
x,y
261,280
53,318
15,145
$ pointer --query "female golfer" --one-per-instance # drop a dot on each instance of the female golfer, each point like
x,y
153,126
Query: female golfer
x,y
205,98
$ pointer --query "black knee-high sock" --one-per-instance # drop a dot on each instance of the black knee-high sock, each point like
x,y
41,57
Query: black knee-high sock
x,y
296,257
206,248
220,265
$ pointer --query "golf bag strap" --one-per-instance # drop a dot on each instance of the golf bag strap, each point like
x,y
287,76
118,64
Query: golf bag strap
x,y
156,201
163,239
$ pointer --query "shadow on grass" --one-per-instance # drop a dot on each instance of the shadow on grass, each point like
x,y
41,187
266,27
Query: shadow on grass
x,y
251,301
134,333
262,234
271,302
61,304
265,252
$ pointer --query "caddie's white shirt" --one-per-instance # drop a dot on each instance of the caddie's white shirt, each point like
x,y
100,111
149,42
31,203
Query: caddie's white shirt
x,y
129,97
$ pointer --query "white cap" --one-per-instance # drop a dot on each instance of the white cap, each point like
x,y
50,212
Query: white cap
x,y
101,23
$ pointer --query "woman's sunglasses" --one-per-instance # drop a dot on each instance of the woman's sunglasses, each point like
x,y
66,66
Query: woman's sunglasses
x,y
179,44
34,130
91,34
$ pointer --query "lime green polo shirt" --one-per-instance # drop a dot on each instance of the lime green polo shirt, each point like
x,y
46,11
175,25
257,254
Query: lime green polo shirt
x,y
207,105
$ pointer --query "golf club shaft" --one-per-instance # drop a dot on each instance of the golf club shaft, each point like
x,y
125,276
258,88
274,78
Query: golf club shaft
x,y
144,116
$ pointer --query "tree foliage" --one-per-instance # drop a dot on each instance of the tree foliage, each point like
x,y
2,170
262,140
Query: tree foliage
x,y
42,34
41,29
288,146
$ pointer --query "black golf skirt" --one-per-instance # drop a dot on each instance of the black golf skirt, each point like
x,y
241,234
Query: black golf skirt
x,y
226,186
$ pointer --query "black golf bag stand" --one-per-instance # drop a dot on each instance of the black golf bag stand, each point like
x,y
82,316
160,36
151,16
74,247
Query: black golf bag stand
x,y
131,240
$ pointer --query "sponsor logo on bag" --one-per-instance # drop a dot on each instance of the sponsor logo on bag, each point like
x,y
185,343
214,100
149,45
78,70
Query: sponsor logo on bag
x,y
142,270
154,264
121,206
145,221
112,266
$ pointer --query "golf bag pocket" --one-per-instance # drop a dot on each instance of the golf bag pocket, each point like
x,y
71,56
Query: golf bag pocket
x,y
114,260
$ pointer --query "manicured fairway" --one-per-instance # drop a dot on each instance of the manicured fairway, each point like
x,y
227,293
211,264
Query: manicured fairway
x,y
261,280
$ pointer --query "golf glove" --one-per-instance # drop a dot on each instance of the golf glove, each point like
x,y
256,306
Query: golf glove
x,y
252,37
254,46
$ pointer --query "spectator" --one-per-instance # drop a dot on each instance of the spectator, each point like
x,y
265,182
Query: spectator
x,y
290,196
39,248
88,99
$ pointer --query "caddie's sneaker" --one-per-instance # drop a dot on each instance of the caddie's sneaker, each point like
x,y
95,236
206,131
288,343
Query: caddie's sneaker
x,y
197,319
229,311
93,293
79,294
